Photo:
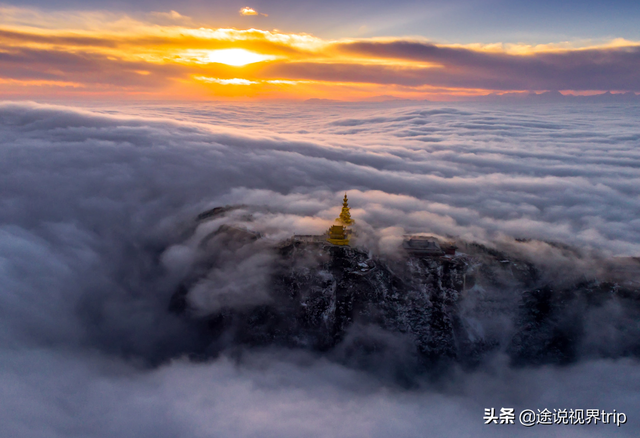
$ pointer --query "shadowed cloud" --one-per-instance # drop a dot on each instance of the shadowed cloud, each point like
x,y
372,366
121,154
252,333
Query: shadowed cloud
x,y
588,69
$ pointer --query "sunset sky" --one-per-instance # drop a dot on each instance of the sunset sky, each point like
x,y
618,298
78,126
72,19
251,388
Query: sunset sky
x,y
197,50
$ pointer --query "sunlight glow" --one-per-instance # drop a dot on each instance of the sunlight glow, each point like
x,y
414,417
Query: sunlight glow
x,y
234,57
234,81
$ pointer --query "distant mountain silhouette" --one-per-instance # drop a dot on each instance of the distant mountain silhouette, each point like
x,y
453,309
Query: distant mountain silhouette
x,y
317,100
556,96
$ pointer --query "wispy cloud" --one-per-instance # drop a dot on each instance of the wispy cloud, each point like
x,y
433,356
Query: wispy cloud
x,y
234,81
250,11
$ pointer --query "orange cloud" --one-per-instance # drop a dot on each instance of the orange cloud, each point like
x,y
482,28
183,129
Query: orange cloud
x,y
250,11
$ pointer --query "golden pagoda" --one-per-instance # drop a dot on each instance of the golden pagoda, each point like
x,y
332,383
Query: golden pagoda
x,y
345,214
339,234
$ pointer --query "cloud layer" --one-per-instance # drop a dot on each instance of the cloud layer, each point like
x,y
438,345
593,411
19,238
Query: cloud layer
x,y
93,199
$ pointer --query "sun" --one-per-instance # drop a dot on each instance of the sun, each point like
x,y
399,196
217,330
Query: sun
x,y
234,57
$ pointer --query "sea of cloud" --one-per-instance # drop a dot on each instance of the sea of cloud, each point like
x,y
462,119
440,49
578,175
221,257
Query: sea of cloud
x,y
98,204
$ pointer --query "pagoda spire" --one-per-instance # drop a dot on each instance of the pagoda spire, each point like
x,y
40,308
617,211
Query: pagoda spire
x,y
339,234
345,214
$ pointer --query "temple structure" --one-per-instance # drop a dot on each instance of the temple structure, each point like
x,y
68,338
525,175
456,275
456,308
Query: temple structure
x,y
339,234
345,214
420,245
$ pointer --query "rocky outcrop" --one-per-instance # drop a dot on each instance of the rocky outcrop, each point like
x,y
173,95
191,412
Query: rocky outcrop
x,y
411,313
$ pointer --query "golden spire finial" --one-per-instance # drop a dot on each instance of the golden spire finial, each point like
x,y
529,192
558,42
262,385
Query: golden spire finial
x,y
345,214
339,234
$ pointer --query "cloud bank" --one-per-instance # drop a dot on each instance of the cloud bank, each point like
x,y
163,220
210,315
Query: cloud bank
x,y
98,205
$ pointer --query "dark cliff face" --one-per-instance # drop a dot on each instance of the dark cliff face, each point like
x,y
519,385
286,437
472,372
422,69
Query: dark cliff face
x,y
407,314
